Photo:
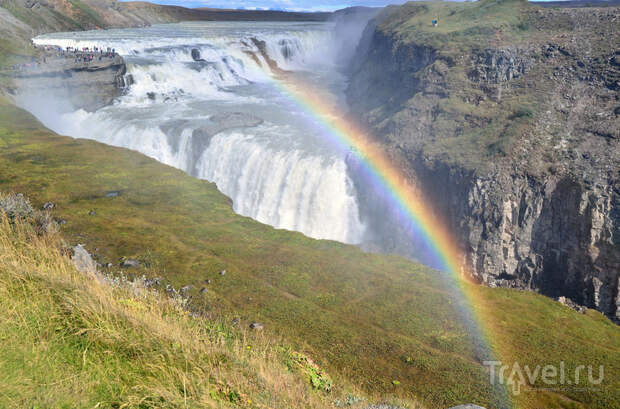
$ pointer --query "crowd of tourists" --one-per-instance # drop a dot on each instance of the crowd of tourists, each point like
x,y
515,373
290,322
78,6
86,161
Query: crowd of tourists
x,y
84,55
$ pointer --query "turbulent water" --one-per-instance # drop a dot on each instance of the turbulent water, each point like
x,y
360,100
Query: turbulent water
x,y
226,120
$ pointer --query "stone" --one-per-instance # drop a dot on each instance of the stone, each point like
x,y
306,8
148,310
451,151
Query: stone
x,y
48,206
151,282
196,55
113,193
83,261
223,272
130,263
186,288
203,290
91,213
235,321
16,206
256,326
572,305
207,281
467,406
151,96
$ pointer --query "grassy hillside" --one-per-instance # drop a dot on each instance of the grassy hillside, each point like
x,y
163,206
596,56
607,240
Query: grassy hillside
x,y
72,341
380,322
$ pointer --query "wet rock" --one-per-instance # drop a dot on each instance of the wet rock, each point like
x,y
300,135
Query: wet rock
x,y
48,206
196,55
256,326
83,261
130,263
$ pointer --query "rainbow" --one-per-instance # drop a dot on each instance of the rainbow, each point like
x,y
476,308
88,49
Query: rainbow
x,y
410,203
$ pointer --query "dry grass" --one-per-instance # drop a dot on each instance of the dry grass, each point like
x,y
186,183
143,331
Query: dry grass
x,y
71,340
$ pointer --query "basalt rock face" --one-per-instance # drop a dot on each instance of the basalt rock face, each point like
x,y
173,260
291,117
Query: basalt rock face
x,y
89,86
515,141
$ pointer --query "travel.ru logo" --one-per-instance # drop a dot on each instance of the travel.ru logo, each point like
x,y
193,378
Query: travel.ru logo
x,y
556,377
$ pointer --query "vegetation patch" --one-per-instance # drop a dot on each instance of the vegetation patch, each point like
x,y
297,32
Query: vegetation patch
x,y
319,379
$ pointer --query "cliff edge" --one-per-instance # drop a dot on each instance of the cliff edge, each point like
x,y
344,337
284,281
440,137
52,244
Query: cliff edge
x,y
508,116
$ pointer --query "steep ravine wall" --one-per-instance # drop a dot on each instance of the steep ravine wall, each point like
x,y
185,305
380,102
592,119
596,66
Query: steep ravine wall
x,y
555,235
88,86
556,232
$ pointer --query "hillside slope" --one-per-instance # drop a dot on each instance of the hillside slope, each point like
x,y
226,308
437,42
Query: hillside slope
x,y
508,116
369,319
72,339
381,322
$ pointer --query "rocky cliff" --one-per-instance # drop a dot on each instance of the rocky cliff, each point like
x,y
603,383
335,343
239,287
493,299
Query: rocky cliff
x,y
81,85
508,117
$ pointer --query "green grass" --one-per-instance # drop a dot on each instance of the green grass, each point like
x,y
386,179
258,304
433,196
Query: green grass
x,y
358,315
71,341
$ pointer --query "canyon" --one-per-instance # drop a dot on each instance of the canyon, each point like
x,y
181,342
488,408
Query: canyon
x,y
512,127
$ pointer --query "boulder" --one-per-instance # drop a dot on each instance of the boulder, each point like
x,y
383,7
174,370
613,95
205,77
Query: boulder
x,y
196,55
83,261
572,304
114,193
129,263
256,326
16,206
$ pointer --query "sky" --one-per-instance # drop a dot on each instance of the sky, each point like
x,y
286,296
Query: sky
x,y
290,5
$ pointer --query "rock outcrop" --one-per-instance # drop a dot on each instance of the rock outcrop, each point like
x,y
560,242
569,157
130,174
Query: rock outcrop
x,y
514,138
81,85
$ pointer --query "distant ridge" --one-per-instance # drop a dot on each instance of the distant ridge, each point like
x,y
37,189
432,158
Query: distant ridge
x,y
578,3
257,15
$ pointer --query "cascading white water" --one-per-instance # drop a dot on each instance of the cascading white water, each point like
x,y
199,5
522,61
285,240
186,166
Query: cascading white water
x,y
222,119
308,193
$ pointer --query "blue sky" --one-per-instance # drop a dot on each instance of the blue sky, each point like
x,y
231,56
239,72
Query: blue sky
x,y
293,5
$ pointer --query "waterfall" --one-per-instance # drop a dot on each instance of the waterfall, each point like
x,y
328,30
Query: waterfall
x,y
223,119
